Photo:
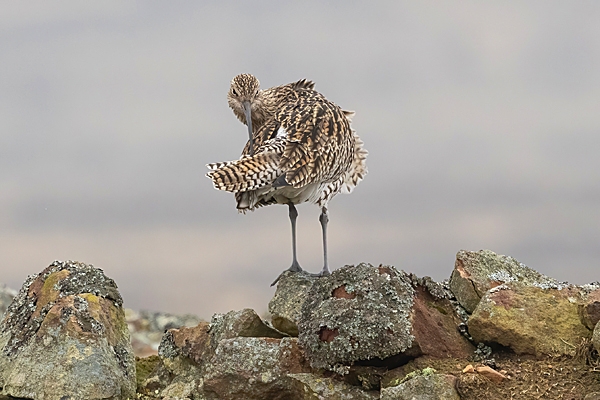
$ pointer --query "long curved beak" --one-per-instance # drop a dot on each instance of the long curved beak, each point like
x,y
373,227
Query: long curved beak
x,y
248,113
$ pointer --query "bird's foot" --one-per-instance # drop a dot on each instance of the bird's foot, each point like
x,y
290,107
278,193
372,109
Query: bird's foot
x,y
324,272
294,268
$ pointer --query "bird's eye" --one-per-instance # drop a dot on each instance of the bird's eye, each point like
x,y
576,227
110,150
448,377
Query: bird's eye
x,y
234,92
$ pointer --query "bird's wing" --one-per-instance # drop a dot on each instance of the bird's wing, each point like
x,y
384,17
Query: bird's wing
x,y
320,140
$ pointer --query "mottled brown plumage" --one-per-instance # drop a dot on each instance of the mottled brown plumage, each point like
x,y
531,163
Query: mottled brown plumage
x,y
301,148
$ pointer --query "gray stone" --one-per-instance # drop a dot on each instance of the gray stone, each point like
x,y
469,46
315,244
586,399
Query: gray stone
x,y
363,312
423,386
65,337
213,361
475,272
253,368
307,386
243,323
286,305
357,313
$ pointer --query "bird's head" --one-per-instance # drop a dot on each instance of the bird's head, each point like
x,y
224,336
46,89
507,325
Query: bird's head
x,y
244,98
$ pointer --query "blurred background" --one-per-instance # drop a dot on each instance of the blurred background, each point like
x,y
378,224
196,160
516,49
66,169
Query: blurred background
x,y
482,121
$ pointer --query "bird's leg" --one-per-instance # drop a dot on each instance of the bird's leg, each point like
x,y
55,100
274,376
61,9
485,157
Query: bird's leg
x,y
293,215
324,219
295,265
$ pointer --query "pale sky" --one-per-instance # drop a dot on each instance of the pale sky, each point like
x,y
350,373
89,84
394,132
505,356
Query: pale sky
x,y
482,120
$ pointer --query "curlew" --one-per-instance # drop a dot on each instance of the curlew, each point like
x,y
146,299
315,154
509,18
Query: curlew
x,y
301,148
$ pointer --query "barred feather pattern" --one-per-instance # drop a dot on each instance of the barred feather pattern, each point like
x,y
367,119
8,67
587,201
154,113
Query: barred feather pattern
x,y
301,139
249,172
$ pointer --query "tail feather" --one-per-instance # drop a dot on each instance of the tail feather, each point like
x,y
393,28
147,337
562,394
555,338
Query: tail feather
x,y
247,173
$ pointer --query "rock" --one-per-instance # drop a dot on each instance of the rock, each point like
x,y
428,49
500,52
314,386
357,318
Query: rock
x,y
475,272
72,315
596,337
6,296
426,385
468,369
244,323
529,319
286,304
147,328
378,314
367,377
434,322
253,368
490,373
589,310
312,387
183,354
220,360
193,343
144,368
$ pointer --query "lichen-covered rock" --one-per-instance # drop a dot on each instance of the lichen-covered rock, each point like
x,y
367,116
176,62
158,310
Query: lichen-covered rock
x,y
144,368
312,387
286,305
183,355
243,323
216,360
529,319
475,272
193,343
364,313
596,337
253,368
6,296
147,328
423,386
64,336
589,309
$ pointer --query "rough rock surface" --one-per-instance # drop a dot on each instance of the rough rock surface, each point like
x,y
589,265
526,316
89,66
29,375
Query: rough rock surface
x,y
596,337
434,322
589,310
367,313
424,386
529,319
286,305
475,272
245,323
65,333
221,360
147,328
312,387
178,371
253,368
6,296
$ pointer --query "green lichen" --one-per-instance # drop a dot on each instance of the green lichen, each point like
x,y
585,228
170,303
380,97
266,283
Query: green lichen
x,y
144,367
